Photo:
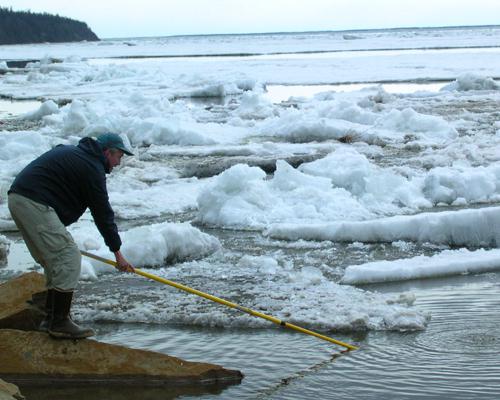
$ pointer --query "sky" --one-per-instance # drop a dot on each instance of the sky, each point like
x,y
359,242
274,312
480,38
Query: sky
x,y
132,18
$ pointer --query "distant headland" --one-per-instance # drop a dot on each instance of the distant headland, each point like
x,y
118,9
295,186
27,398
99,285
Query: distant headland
x,y
17,27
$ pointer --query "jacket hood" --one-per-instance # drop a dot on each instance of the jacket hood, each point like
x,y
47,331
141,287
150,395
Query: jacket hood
x,y
93,148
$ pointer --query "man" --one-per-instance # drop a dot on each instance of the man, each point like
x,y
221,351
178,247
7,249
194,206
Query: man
x,y
52,192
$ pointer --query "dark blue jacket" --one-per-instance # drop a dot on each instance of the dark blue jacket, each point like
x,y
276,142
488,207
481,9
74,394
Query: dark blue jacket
x,y
71,179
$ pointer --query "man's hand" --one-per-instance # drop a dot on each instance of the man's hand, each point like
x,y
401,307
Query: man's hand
x,y
122,264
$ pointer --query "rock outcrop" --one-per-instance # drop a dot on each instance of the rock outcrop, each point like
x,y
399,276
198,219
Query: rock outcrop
x,y
21,302
28,357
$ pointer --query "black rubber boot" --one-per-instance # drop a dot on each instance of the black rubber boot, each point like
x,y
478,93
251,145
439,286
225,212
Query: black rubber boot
x,y
44,325
62,326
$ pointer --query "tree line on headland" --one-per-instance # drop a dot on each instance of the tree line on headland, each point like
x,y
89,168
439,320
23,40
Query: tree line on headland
x,y
18,27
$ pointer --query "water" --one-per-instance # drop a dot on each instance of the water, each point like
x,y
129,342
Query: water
x,y
456,356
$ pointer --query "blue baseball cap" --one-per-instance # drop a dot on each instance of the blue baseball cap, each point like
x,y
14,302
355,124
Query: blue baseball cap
x,y
113,141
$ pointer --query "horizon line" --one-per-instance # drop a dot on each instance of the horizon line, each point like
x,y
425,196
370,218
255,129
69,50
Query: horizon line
x,y
307,31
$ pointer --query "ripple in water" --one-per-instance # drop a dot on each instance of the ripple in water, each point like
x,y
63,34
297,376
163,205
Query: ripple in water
x,y
456,357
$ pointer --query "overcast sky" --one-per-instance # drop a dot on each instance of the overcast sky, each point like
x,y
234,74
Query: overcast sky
x,y
129,18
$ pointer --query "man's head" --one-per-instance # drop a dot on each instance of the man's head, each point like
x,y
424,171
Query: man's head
x,y
113,148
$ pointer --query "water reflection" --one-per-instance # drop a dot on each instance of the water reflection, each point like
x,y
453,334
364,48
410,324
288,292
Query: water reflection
x,y
122,392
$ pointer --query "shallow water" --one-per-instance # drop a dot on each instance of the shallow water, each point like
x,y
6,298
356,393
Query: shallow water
x,y
456,356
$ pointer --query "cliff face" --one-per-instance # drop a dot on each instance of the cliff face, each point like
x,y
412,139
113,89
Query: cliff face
x,y
26,27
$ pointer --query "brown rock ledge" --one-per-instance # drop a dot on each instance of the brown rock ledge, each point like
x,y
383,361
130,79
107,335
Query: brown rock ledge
x,y
45,367
21,301
34,357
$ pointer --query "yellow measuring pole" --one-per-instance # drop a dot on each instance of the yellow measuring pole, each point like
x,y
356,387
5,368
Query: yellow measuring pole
x,y
224,302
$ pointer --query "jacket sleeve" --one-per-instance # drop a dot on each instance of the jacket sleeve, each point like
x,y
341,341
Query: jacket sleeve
x,y
103,214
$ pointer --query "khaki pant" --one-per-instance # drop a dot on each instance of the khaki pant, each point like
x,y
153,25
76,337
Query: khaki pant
x,y
48,241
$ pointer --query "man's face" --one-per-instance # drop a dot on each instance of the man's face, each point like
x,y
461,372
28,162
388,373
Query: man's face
x,y
114,157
